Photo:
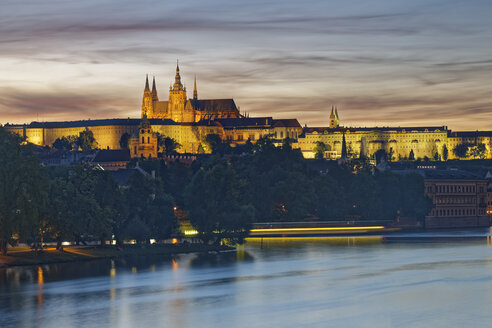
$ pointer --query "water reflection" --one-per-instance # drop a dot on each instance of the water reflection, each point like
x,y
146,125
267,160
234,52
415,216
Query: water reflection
x,y
296,241
40,286
406,280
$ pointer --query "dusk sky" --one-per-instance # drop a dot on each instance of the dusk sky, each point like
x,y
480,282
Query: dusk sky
x,y
386,62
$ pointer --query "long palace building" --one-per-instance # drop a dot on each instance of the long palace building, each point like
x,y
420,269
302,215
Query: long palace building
x,y
190,120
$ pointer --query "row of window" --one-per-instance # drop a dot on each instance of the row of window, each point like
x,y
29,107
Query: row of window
x,y
458,212
452,189
288,134
456,200
252,137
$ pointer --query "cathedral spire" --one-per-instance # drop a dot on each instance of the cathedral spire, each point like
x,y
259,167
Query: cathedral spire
x,y
333,120
147,83
154,90
336,117
195,91
147,101
177,79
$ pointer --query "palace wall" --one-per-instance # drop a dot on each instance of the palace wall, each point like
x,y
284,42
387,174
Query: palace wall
x,y
424,143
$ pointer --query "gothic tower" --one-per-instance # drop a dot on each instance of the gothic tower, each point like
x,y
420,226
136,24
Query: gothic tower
x,y
147,101
336,117
154,91
177,98
195,92
333,119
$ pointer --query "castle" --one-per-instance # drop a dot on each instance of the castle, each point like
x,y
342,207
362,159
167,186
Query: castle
x,y
180,109
189,120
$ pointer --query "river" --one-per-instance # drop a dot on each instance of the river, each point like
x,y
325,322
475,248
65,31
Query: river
x,y
400,280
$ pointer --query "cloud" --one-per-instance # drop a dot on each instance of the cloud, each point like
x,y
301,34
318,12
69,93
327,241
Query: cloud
x,y
19,105
400,61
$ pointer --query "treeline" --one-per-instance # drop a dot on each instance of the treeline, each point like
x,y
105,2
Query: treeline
x,y
84,141
221,195
264,183
75,203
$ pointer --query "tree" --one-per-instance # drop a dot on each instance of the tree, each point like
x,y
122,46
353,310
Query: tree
x,y
264,144
344,147
170,145
436,156
380,155
283,177
350,150
245,149
22,191
479,151
86,140
149,208
414,202
461,150
125,137
62,144
444,153
287,143
411,156
80,204
319,150
65,143
330,200
391,154
213,142
215,207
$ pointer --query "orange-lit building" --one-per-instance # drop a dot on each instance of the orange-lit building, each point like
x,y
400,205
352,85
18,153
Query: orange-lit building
x,y
143,142
189,120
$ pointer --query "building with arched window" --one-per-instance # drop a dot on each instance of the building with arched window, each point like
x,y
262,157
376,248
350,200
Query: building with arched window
x,y
143,142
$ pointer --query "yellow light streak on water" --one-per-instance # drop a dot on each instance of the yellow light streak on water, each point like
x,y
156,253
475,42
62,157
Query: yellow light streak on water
x,y
293,241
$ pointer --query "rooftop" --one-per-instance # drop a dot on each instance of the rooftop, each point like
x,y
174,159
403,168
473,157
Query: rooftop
x,y
376,128
112,155
435,174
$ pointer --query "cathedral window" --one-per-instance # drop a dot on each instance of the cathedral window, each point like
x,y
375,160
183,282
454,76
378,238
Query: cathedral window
x,y
143,139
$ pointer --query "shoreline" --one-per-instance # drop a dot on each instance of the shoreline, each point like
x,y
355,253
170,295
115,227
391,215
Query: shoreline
x,y
26,257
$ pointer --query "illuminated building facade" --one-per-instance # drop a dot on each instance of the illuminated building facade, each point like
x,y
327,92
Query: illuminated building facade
x,y
189,120
459,199
397,142
143,142
181,109
488,177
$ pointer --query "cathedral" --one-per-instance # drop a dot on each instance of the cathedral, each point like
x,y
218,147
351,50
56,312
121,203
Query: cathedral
x,y
190,120
180,109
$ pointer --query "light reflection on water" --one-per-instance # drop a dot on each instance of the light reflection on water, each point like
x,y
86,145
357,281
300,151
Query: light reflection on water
x,y
407,280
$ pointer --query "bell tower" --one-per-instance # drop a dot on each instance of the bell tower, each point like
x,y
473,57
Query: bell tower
x,y
147,101
333,119
177,98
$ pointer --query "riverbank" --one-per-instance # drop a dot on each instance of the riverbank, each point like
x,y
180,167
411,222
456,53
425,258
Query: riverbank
x,y
22,256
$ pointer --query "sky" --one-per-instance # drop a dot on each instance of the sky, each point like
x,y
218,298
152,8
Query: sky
x,y
382,63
